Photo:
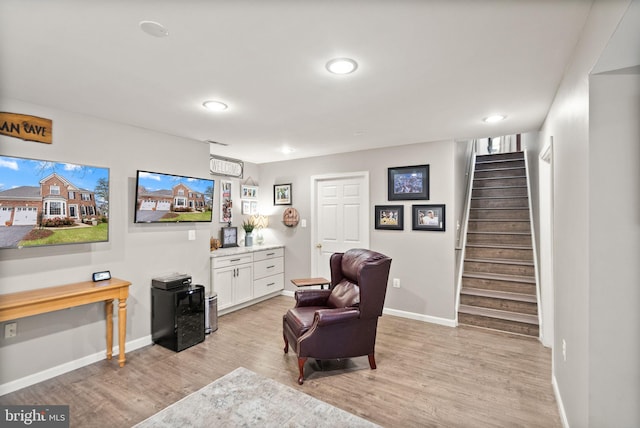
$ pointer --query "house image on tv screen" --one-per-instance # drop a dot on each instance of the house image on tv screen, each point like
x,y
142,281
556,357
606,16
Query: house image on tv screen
x,y
54,209
178,198
55,198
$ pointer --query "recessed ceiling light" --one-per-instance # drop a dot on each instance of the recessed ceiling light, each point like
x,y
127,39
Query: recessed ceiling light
x,y
287,150
342,66
215,105
494,118
154,29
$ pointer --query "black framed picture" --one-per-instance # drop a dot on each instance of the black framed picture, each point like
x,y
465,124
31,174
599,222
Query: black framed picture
x,y
390,217
282,194
428,217
408,183
229,236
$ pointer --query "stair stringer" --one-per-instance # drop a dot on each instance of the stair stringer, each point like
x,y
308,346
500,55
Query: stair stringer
x,y
534,247
465,226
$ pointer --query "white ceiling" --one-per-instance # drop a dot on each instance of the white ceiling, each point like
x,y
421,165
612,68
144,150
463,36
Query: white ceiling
x,y
428,70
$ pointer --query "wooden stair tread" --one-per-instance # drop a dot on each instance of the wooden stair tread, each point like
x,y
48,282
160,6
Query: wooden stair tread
x,y
497,197
480,161
498,314
495,294
499,208
499,178
498,233
497,187
499,220
501,261
500,277
506,247
500,169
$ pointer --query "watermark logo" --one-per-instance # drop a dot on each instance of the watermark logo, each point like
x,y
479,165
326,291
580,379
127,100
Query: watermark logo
x,y
34,416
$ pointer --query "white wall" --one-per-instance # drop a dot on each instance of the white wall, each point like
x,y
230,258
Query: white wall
x,y
568,123
135,252
614,247
52,343
423,261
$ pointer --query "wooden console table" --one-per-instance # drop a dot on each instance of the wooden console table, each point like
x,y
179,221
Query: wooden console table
x,y
33,302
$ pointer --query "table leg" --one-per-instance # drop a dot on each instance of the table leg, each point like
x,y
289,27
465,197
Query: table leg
x,y
122,329
108,309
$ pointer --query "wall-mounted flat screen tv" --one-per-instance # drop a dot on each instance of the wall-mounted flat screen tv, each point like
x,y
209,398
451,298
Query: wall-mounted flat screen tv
x,y
162,198
52,203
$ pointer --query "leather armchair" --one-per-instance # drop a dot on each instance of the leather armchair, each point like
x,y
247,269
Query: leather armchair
x,y
340,322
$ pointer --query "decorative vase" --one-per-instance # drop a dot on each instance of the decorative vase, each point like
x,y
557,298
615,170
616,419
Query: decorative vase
x,y
248,240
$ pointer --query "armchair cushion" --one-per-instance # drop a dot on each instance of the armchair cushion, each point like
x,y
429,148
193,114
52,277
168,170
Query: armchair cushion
x,y
343,295
300,319
312,297
333,316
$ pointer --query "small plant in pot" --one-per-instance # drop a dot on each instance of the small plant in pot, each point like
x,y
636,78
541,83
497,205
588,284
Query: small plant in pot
x,y
248,226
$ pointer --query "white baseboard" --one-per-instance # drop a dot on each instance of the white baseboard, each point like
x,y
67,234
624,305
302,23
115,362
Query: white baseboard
x,y
419,317
403,314
556,391
17,384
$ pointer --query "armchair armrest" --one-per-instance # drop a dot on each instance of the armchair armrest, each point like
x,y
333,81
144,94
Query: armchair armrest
x,y
333,316
312,297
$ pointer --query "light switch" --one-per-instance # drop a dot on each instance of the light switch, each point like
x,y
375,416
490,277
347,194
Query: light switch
x,y
192,235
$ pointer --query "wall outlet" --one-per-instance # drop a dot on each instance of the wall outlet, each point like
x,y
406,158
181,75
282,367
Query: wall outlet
x,y
396,282
10,330
564,350
192,235
303,222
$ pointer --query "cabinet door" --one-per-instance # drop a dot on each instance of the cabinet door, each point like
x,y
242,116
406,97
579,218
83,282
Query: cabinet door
x,y
223,280
243,286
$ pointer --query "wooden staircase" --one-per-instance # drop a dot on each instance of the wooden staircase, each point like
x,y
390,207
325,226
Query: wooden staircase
x,y
498,279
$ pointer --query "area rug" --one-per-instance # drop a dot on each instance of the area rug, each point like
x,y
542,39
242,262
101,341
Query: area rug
x,y
243,398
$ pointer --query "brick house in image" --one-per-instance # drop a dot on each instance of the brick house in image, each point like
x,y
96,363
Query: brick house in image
x,y
55,197
179,197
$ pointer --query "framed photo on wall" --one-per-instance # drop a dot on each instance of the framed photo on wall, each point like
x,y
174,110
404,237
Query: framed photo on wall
x,y
226,203
249,192
408,183
229,236
389,217
428,217
282,194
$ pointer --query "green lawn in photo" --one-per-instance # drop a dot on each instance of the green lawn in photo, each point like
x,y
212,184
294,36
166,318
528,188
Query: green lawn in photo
x,y
187,216
71,235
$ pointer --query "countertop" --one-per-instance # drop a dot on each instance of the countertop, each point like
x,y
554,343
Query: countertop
x,y
232,251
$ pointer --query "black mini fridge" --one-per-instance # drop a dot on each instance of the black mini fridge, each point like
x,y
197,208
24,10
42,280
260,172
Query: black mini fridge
x,y
177,316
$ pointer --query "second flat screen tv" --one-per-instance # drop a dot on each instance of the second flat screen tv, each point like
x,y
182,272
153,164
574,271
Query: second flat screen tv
x,y
168,198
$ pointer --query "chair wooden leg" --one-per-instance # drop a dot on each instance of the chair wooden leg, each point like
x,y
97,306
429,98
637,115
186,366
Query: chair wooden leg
x,y
286,343
372,361
301,362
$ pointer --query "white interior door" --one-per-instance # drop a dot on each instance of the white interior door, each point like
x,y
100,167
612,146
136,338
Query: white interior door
x,y
340,217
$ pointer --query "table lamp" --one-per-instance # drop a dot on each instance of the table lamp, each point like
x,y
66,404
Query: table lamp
x,y
261,222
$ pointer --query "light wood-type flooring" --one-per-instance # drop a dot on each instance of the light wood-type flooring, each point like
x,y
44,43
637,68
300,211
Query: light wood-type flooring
x,y
427,376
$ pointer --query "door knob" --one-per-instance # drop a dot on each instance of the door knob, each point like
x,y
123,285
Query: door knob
x,y
318,245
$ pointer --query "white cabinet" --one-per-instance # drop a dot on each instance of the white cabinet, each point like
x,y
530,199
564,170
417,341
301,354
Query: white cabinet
x,y
268,271
232,279
244,275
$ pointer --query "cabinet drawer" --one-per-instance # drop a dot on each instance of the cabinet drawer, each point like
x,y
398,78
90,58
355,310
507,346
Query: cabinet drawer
x,y
268,267
268,285
268,254
219,262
